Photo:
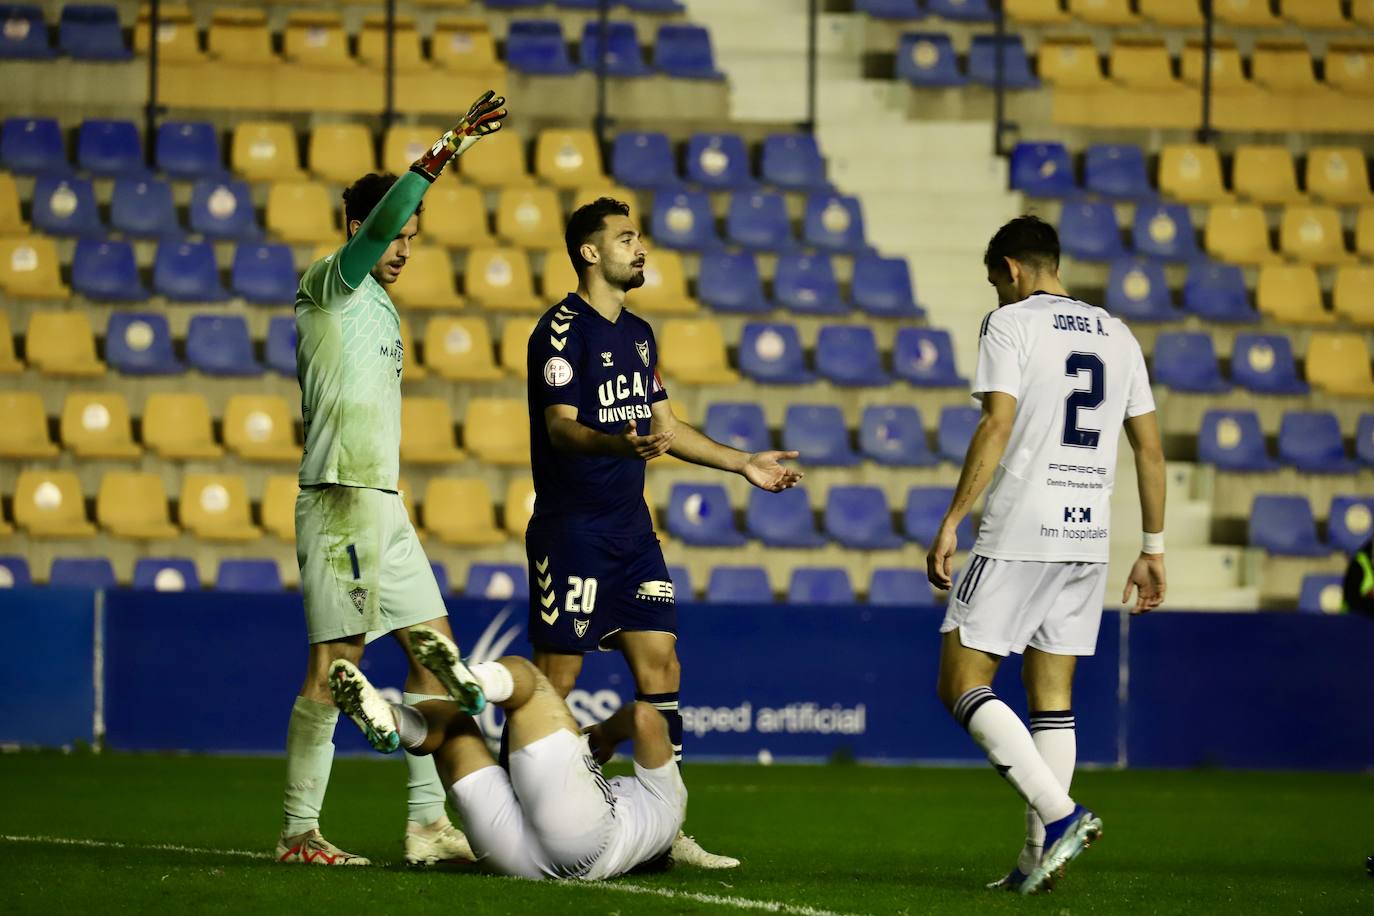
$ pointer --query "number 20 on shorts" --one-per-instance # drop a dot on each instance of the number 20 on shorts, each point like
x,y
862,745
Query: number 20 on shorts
x,y
581,595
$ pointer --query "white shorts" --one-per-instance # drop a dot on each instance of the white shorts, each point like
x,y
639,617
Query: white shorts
x,y
1002,606
554,815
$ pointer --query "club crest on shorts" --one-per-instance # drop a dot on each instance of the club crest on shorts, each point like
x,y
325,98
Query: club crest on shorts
x,y
580,627
642,346
359,596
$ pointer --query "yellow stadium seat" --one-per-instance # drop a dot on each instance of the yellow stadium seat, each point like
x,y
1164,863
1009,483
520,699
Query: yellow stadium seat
x,y
239,35
515,339
568,158
9,363
1338,363
214,507
1283,66
315,38
96,424
499,278
1291,293
693,350
1103,12
403,144
406,46
11,222
1362,11
1238,233
133,504
529,217
259,427
1191,173
1313,235
265,151
28,268
412,370
427,432
1315,14
62,343
1353,294
279,506
341,153
464,45
519,506
177,41
1338,175
500,163
1227,71
460,349
1181,13
426,282
497,430
665,286
588,193
1364,231
177,425
24,434
558,277
458,510
301,212
1035,12
1070,63
455,215
1142,64
1265,174
49,504
1350,68
1253,14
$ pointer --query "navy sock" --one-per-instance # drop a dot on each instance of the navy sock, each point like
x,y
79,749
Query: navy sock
x,y
666,704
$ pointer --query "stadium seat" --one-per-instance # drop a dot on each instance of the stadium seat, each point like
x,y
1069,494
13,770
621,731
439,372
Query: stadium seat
x,y
1165,231
427,435
517,507
33,146
961,10
1265,175
568,158
1239,234
1070,62
758,220
265,151
220,345
1088,232
1217,292
279,349
1144,64
1191,173
259,427
81,573
316,39
529,217
643,160
96,424
739,585
925,509
792,162
105,271
14,572
25,431
427,280
29,268
264,274
9,363
1348,64
1350,522
214,507
110,148
620,51
858,517
901,587
1116,170
894,436
740,426
848,355
1042,170
177,426
693,351
1364,440
955,432
499,278
165,574
188,150
279,506
441,577
834,222
406,50
62,343
773,354
1310,440
1338,363
536,47
818,432
1283,525
1313,235
683,220
49,504
806,284
497,581
1352,296
1338,175
925,357
729,282
223,209
460,349
1291,293
186,272
700,515
684,51
1283,65
665,283
1016,71
1231,440
142,207
718,162
1038,12
881,287
1263,363
459,511
497,430
682,583
1364,232
890,9
301,212
25,33
1138,290
11,221
240,36
248,575
140,343
558,278
133,505
402,144
1315,14
782,519
820,585
65,206
927,59
1322,593
1187,361
455,216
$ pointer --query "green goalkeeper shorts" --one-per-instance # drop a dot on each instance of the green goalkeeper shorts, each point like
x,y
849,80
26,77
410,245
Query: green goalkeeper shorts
x,y
362,568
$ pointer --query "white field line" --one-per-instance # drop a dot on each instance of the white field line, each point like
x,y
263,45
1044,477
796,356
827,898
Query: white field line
x,y
742,903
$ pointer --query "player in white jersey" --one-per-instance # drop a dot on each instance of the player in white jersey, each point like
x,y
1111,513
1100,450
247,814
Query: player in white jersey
x,y
1058,380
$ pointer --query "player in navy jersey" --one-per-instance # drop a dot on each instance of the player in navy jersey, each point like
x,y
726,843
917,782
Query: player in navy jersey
x,y
598,413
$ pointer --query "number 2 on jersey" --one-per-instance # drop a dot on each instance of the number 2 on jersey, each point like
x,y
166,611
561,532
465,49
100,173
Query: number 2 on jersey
x,y
1080,399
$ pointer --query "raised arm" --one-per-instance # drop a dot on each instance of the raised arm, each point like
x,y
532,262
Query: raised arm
x,y
763,469
1147,573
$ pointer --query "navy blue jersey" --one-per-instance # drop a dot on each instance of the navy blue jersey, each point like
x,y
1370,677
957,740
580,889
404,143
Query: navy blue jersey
x,y
609,372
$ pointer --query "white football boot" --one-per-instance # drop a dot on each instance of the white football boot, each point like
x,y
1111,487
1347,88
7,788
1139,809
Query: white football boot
x,y
310,848
437,843
687,851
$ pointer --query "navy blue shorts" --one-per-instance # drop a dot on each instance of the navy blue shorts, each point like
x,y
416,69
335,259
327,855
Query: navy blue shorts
x,y
585,588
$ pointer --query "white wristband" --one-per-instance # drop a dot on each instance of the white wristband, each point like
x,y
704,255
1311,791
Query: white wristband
x,y
1152,542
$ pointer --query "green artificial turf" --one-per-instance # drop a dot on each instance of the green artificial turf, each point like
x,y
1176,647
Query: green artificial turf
x,y
844,839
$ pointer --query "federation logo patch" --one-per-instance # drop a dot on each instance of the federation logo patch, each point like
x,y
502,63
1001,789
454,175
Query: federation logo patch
x,y
580,627
359,597
642,346
557,372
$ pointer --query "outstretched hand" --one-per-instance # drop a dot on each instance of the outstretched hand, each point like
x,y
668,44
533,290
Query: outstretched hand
x,y
484,117
766,471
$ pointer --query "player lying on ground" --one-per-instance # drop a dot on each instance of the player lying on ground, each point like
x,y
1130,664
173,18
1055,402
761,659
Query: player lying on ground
x,y
1058,379
363,572
553,815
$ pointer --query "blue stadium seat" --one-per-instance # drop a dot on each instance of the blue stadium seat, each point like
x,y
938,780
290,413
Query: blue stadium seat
x,y
925,509
1187,361
858,517
222,208
700,515
536,46
280,349
1233,441
1042,170
739,585
1165,231
729,281
961,10
901,10
1116,170
497,581
188,149
903,587
758,220
14,572
1350,522
927,59
1322,593
1284,525
982,62
654,6
104,269
740,426
110,148
820,585
793,162
248,574
644,159
1264,363
955,432
894,435
91,33
81,572
847,354
166,574
623,54
142,207
683,220
33,146
806,284
265,274
220,345
1137,290
773,353
186,272
819,433
881,287
1216,292
1087,231
1310,440
65,206
834,222
685,51
140,343
441,577
24,34
718,162
925,357
682,584
782,519
1364,439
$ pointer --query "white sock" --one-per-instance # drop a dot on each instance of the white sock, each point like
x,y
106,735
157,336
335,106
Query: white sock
x,y
1057,742
411,726
1010,749
495,680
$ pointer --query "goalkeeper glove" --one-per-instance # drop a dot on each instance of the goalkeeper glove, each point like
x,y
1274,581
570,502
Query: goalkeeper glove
x,y
483,118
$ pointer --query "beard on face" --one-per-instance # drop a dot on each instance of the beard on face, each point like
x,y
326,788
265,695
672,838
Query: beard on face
x,y
625,278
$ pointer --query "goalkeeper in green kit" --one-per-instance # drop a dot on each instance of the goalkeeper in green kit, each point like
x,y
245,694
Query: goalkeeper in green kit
x,y
363,572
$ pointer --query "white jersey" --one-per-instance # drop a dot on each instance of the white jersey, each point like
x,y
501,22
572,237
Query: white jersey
x,y
1077,373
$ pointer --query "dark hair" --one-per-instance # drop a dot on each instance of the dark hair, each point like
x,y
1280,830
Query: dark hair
x,y
585,222
1028,239
362,196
